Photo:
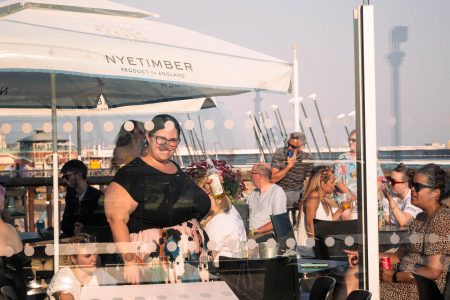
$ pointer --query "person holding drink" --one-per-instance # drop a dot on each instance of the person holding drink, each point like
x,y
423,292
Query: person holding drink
x,y
317,204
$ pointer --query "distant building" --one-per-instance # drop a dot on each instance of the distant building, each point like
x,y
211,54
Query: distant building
x,y
38,149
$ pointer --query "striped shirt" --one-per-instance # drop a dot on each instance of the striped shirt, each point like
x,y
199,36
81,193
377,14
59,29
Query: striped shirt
x,y
293,181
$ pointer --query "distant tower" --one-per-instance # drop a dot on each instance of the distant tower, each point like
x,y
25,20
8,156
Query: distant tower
x,y
398,35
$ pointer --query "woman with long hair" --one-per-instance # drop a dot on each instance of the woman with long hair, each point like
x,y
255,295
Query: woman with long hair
x,y
316,202
130,142
397,208
152,202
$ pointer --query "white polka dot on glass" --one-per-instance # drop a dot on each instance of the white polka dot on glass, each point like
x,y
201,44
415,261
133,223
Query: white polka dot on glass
x,y
209,124
108,126
169,125
310,242
88,126
128,126
26,127
49,249
211,245
47,127
251,244
391,120
149,125
349,241
329,241
248,123
5,128
269,123
67,127
189,125
307,122
327,122
228,124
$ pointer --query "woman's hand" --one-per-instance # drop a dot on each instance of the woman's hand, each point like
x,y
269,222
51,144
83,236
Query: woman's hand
x,y
386,275
131,269
352,258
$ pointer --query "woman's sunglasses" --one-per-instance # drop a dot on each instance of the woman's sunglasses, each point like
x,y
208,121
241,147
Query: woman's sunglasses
x,y
393,181
418,186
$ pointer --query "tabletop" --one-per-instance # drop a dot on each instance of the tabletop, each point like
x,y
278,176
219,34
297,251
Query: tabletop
x,y
192,290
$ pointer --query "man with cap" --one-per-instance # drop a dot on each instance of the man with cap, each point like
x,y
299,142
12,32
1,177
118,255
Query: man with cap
x,y
289,171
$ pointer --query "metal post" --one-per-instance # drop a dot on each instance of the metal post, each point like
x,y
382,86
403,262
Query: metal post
x,y
313,97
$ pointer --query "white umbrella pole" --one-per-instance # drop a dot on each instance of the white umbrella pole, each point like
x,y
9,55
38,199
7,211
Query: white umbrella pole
x,y
55,177
295,91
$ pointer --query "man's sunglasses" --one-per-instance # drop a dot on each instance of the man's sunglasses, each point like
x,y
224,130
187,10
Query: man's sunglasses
x,y
352,140
292,146
418,186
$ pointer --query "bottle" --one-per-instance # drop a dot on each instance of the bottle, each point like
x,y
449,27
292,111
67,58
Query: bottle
x,y
381,221
214,177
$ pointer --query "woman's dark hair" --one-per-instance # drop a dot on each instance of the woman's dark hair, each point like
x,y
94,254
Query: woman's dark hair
x,y
435,177
159,122
407,173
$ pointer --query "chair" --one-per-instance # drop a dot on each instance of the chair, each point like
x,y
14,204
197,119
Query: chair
x,y
282,229
274,278
428,290
337,230
359,295
9,293
322,288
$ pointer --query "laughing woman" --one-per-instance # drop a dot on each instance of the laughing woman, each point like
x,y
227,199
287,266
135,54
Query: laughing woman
x,y
154,205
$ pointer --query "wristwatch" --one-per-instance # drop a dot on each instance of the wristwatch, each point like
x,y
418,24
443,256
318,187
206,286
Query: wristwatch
x,y
394,277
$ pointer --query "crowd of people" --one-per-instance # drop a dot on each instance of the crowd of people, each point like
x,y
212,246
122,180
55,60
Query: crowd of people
x,y
159,217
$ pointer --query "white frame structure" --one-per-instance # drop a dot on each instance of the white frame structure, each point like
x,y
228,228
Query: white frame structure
x,y
365,105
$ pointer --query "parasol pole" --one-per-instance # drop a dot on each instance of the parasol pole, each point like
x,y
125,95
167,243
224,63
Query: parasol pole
x,y
274,108
301,126
262,158
271,131
310,129
313,97
55,176
187,146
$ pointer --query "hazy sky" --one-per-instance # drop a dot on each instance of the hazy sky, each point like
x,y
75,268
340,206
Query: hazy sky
x,y
323,32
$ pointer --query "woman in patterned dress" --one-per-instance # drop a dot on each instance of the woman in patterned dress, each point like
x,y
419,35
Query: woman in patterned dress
x,y
428,253
154,209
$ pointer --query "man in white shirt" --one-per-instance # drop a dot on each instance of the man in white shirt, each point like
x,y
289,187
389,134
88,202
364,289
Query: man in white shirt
x,y
265,200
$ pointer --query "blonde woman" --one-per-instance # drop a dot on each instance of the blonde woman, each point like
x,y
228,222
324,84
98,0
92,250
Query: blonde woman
x,y
224,227
316,202
81,271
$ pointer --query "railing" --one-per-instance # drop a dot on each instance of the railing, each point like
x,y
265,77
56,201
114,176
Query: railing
x,y
30,183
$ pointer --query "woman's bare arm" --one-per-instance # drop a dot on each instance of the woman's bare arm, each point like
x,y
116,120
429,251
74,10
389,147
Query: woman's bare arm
x,y
118,207
312,203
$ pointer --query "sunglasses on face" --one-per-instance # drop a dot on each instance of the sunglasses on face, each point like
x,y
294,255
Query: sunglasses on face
x,y
418,186
394,182
160,140
293,146
352,140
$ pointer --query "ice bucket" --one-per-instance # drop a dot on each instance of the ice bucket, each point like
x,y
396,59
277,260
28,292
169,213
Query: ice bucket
x,y
268,250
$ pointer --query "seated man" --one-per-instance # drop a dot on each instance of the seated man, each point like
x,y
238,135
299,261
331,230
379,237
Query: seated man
x,y
82,200
265,200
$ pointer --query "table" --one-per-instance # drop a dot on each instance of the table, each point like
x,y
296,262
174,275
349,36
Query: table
x,y
333,266
193,290
392,236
